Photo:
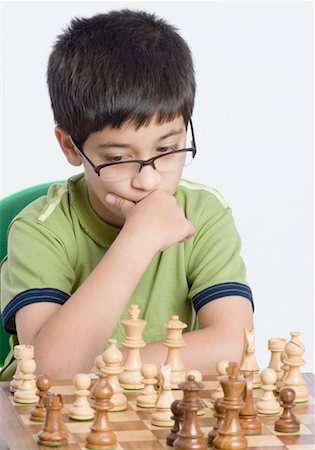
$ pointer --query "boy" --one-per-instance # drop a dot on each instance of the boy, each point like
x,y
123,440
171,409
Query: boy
x,y
128,230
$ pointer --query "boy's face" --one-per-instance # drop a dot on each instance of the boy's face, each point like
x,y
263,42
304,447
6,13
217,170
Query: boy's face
x,y
128,143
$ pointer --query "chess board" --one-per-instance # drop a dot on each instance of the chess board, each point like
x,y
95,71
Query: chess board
x,y
134,430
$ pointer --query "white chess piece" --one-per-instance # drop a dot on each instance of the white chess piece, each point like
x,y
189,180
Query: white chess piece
x,y
276,346
295,350
174,342
27,391
98,363
20,352
131,377
162,416
81,409
248,360
148,397
221,368
112,358
284,369
196,373
267,403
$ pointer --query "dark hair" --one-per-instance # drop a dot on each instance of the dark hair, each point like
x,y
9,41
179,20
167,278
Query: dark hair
x,y
118,67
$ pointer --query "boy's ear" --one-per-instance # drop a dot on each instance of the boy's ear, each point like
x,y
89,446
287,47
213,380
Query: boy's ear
x,y
67,147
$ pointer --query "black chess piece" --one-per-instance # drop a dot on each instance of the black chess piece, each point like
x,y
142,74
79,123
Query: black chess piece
x,y
219,413
101,434
178,417
287,422
190,436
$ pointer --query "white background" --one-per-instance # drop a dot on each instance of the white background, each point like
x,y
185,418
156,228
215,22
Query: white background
x,y
254,131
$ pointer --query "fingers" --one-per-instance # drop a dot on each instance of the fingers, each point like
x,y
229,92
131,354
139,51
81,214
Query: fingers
x,y
122,204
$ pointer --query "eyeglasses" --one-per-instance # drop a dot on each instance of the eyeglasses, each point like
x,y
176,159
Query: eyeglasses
x,y
122,170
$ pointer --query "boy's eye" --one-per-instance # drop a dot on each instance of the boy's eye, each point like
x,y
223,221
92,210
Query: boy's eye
x,y
169,148
115,158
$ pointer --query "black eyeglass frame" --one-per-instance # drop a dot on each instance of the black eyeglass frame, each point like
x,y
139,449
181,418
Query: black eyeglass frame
x,y
148,162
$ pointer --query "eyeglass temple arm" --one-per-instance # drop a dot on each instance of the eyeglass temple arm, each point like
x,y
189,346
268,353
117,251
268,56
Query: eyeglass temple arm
x,y
193,135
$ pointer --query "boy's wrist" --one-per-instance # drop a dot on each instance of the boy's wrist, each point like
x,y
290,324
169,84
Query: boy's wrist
x,y
142,241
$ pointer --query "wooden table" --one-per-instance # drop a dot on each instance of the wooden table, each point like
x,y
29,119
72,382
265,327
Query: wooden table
x,y
133,428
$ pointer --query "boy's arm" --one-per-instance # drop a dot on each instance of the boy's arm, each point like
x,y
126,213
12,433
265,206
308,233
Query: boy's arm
x,y
220,336
67,338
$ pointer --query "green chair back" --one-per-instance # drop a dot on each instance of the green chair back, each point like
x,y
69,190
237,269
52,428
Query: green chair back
x,y
9,208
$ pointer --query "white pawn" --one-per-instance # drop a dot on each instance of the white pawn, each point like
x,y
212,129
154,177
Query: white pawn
x,y
196,373
162,416
148,397
267,403
112,358
81,409
27,392
221,368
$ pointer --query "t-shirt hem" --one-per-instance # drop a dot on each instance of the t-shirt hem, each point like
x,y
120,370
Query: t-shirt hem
x,y
26,298
222,290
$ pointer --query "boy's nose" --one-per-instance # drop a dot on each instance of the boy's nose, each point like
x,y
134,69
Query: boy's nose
x,y
147,179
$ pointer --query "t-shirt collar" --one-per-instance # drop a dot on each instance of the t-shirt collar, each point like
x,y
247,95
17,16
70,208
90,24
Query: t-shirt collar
x,y
101,232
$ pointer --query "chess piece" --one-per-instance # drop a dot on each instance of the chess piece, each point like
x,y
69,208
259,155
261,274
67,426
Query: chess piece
x,y
198,377
230,435
248,360
148,397
20,352
295,350
131,377
287,423
250,423
43,384
178,417
162,416
112,358
27,391
196,373
174,342
267,403
53,433
99,364
284,369
221,369
101,435
81,409
219,413
190,435
276,346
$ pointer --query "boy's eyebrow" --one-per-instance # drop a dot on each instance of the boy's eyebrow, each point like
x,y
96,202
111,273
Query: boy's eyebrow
x,y
111,144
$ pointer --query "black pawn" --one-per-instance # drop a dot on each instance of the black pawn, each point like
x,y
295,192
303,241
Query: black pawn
x,y
219,413
287,422
178,417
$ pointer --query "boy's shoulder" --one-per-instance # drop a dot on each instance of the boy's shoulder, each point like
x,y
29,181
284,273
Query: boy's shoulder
x,y
199,199
52,208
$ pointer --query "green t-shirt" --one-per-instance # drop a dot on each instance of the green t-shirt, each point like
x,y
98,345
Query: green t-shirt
x,y
56,241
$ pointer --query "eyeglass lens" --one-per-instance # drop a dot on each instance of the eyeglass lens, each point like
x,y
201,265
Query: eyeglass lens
x,y
165,163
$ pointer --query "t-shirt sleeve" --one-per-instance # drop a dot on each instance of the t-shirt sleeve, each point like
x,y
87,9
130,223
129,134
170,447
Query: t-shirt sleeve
x,y
37,269
215,268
